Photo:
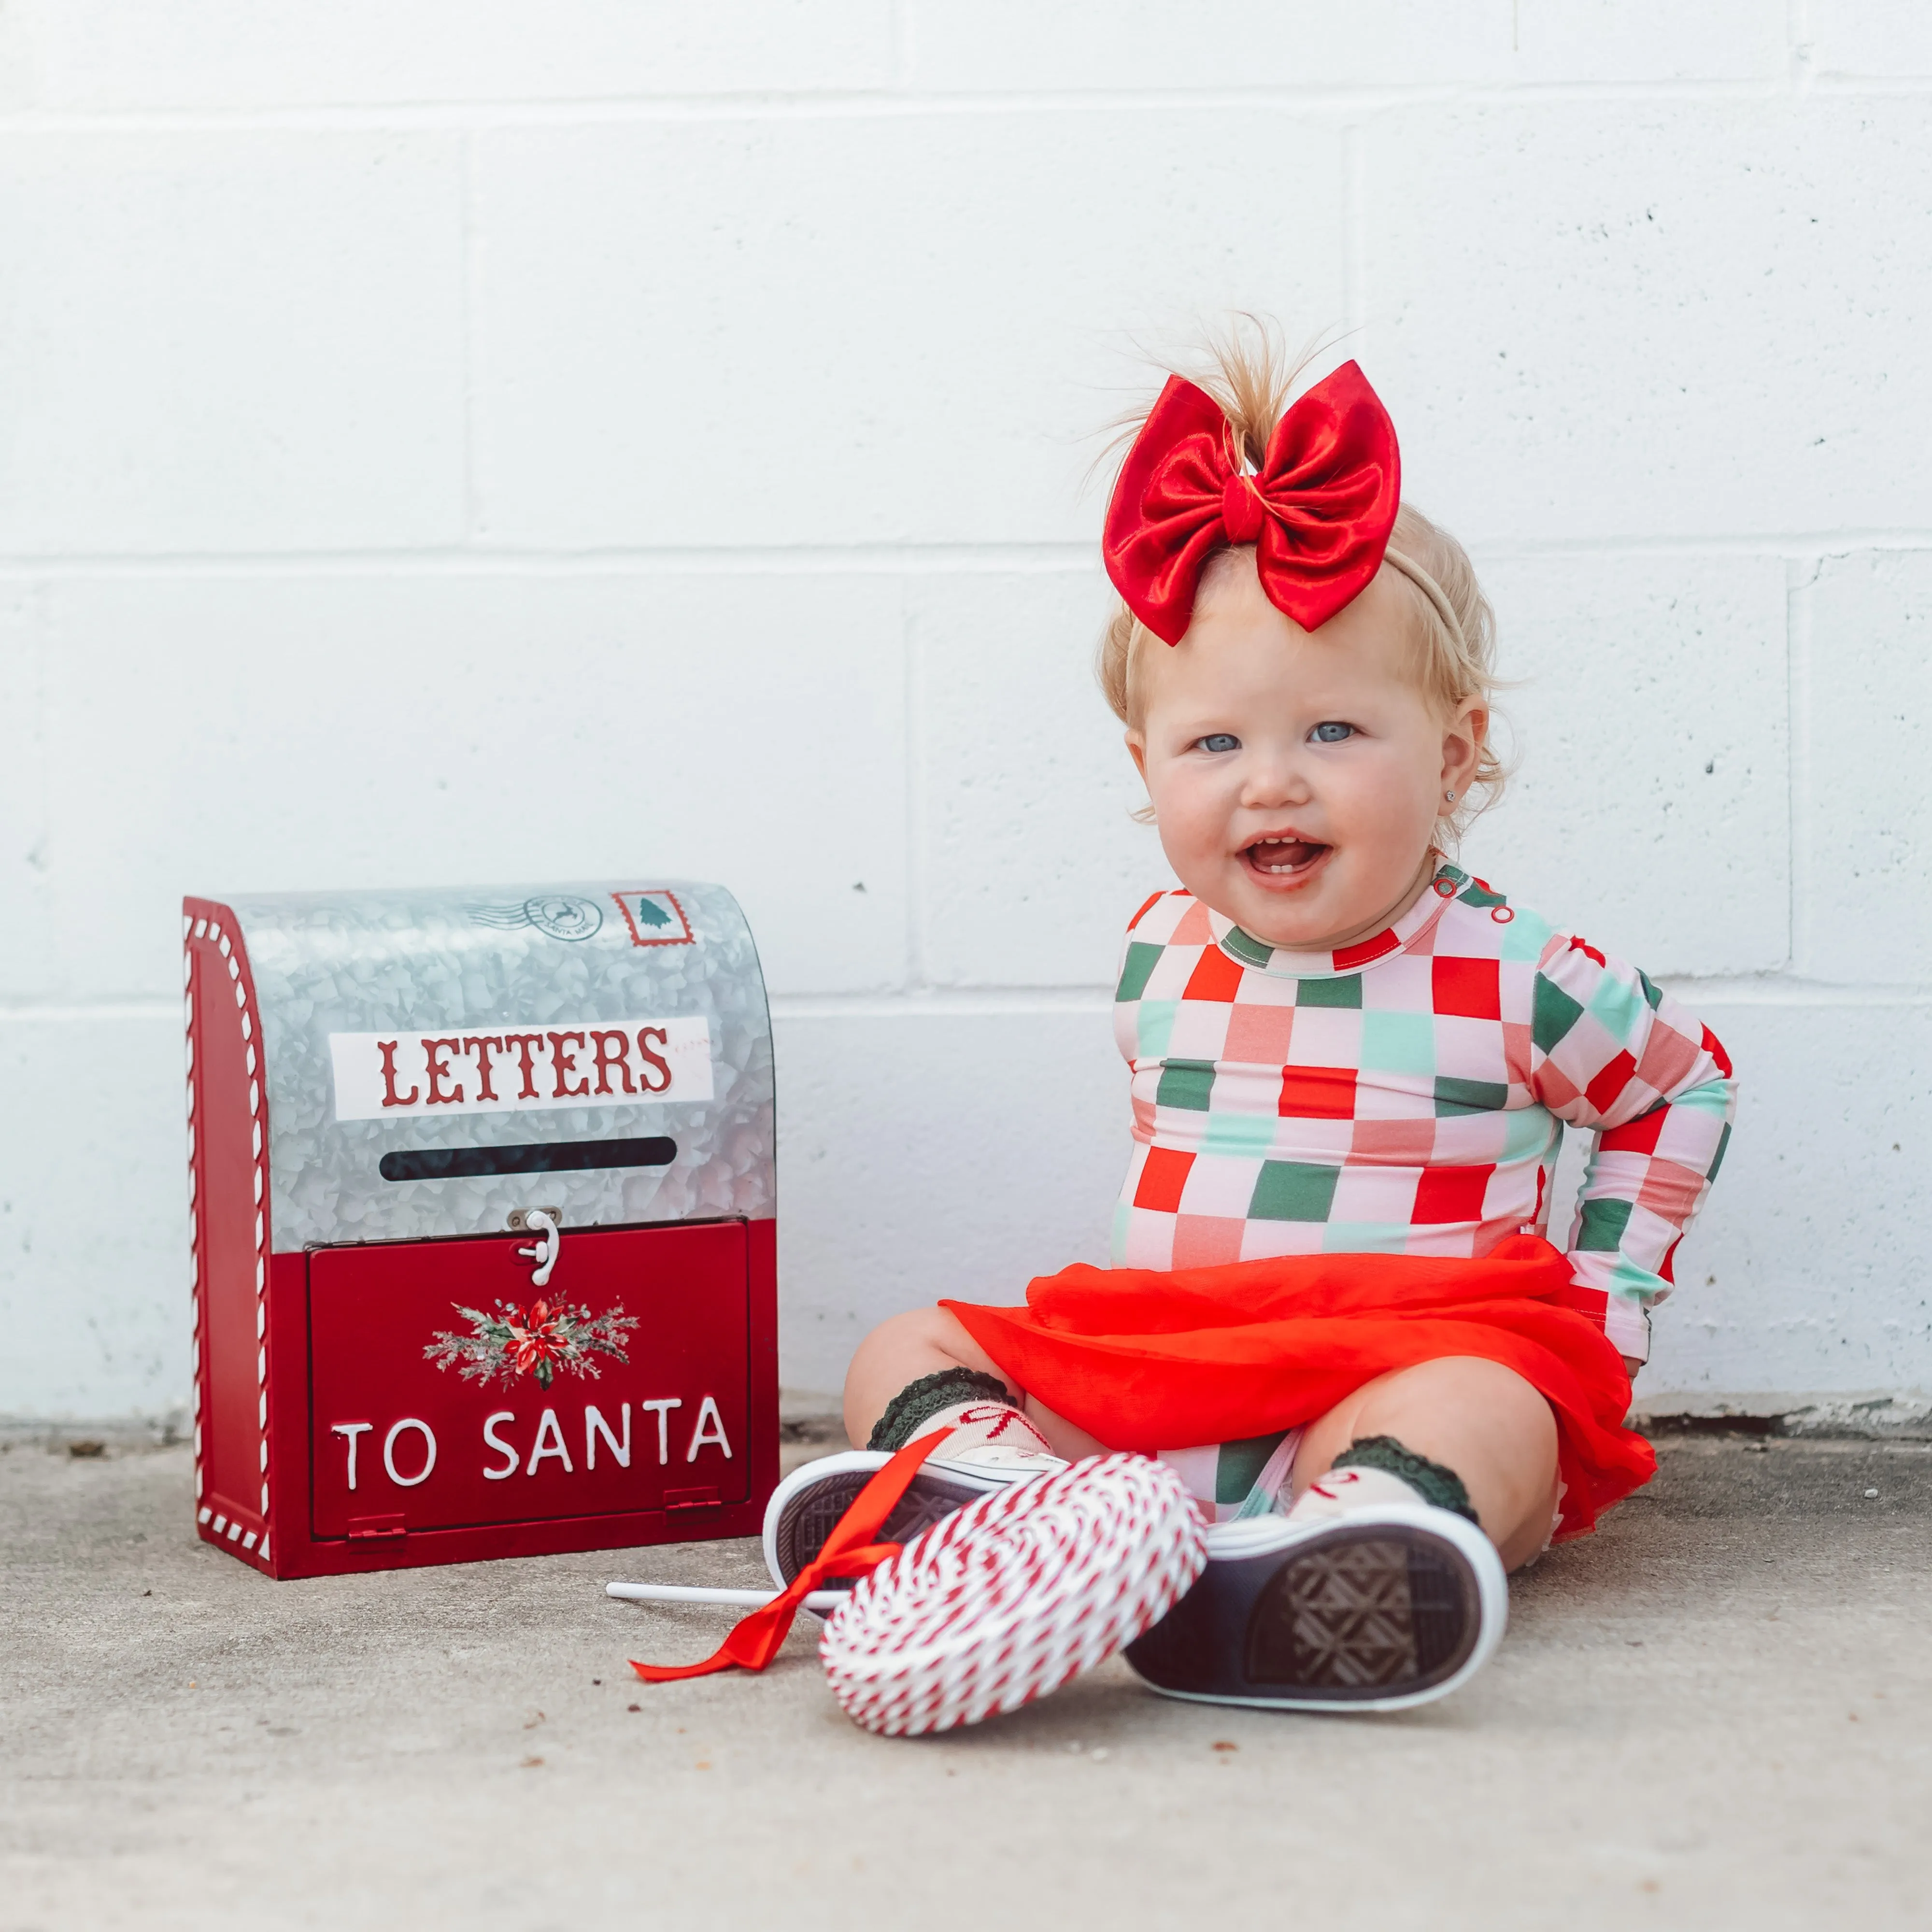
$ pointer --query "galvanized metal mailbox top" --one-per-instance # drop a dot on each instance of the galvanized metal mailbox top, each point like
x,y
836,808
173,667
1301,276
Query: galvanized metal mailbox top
x,y
434,1060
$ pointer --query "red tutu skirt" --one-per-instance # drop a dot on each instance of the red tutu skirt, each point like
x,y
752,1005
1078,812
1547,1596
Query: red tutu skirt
x,y
1146,1360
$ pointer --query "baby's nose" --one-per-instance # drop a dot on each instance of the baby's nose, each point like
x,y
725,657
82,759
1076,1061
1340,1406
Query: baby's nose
x,y
1273,781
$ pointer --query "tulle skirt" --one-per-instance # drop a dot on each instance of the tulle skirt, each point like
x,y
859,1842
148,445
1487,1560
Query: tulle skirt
x,y
1144,1360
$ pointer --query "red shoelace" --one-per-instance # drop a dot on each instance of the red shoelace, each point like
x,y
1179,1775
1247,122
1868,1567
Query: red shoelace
x,y
849,1551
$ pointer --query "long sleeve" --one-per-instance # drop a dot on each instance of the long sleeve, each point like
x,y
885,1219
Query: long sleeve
x,y
1613,1054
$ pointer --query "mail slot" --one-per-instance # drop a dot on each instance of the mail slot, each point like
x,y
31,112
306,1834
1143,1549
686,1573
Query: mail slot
x,y
485,1232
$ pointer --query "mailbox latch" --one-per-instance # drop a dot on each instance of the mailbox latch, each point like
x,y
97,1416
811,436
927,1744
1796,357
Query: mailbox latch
x,y
519,1220
541,1222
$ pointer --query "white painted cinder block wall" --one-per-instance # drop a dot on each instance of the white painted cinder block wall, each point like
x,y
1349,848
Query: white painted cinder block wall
x,y
464,441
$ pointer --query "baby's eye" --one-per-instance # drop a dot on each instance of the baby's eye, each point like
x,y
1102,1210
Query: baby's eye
x,y
1219,741
1332,733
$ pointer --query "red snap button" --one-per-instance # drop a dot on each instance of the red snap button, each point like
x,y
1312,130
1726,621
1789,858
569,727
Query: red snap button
x,y
1502,915
1446,887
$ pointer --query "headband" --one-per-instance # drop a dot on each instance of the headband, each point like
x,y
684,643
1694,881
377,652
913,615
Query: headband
x,y
1318,510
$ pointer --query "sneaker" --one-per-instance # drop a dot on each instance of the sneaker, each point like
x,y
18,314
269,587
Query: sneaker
x,y
1005,1599
1388,1606
805,1505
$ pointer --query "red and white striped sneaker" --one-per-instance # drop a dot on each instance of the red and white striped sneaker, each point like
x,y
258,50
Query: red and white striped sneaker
x,y
1006,1598
1389,1606
804,1507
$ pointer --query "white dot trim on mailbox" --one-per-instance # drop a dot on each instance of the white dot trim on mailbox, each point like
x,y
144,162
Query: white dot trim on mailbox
x,y
257,1547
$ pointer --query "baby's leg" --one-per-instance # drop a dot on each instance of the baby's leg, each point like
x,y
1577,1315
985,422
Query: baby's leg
x,y
925,1341
1474,1417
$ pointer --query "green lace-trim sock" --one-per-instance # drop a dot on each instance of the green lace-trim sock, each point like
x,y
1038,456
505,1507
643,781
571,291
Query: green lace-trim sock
x,y
919,1401
1430,1480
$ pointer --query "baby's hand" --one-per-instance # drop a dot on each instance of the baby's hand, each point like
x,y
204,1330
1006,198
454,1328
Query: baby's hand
x,y
1631,1365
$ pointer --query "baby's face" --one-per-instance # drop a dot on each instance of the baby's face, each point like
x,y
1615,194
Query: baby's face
x,y
1296,776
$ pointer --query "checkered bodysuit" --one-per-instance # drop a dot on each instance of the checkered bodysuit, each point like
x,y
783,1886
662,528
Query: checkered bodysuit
x,y
1407,1095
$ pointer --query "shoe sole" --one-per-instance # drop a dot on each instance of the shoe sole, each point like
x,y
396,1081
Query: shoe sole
x,y
1376,1616
807,1505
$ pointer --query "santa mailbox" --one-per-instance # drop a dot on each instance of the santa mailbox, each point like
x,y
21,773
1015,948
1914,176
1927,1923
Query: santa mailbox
x,y
483,1223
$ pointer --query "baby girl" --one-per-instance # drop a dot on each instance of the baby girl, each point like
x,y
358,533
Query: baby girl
x,y
1333,1309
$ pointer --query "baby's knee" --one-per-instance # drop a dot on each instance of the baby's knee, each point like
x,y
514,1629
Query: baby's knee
x,y
1517,1396
915,1328
1475,1382
903,1348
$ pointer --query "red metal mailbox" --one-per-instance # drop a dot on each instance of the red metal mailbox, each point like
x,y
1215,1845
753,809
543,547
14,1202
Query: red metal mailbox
x,y
484,1233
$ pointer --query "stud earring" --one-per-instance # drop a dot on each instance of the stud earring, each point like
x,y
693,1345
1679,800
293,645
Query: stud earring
x,y
1450,797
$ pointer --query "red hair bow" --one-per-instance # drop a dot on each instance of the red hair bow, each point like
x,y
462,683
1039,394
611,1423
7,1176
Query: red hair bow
x,y
1318,511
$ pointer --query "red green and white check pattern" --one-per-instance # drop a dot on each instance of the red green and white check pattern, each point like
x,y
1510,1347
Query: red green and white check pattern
x,y
1408,1095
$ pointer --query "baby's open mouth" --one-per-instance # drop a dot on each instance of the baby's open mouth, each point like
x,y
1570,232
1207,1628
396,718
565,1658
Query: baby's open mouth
x,y
1289,858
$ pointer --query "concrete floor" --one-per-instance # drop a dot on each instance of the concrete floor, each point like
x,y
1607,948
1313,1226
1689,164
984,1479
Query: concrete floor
x,y
1718,1713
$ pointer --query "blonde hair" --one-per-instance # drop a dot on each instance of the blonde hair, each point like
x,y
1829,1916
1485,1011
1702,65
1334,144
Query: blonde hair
x,y
1246,370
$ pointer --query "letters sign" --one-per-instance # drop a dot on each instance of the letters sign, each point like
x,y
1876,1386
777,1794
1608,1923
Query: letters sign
x,y
381,1076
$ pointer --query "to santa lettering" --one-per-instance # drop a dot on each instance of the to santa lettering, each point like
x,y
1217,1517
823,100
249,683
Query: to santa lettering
x,y
515,1445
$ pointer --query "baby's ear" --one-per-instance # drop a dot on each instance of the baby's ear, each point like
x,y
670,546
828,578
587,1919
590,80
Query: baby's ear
x,y
1136,744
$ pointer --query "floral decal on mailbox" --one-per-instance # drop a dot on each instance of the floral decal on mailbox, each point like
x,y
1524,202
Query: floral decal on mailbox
x,y
537,1341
